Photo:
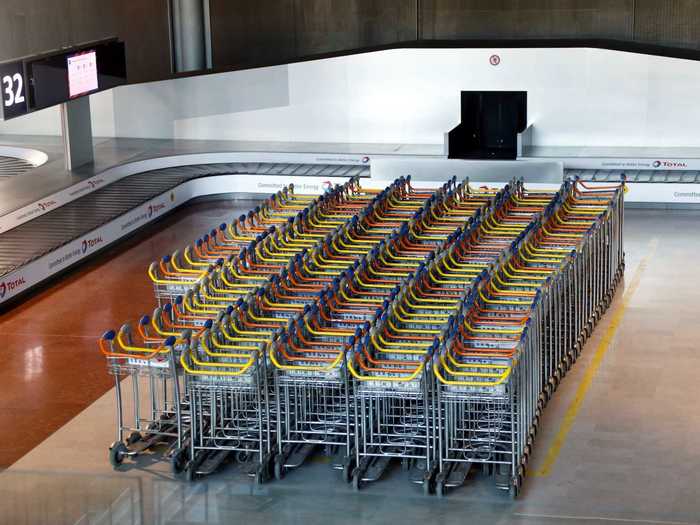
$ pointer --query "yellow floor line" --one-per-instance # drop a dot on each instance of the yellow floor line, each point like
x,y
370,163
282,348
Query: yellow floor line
x,y
592,370
599,518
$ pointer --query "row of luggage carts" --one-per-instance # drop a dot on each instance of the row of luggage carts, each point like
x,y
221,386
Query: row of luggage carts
x,y
427,327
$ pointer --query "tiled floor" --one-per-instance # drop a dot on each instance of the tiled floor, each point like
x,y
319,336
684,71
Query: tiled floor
x,y
631,454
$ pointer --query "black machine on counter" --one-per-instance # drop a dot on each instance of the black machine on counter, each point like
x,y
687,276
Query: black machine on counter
x,y
491,121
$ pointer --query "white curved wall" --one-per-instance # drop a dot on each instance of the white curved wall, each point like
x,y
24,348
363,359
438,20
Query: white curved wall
x,y
48,121
578,97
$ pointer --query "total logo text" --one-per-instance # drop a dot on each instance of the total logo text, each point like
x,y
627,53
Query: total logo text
x,y
91,243
154,209
45,205
669,164
9,286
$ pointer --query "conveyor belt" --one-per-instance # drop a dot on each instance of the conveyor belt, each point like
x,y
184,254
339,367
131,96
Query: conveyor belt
x,y
12,166
52,230
646,176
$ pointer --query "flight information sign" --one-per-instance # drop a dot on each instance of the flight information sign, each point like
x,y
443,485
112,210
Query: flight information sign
x,y
42,81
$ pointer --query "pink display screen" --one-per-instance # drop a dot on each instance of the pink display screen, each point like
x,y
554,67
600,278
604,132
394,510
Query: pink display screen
x,y
82,73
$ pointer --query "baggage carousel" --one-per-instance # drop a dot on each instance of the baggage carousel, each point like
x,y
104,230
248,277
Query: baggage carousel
x,y
88,211
52,219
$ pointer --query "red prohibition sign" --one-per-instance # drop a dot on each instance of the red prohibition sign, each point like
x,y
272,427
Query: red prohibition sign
x,y
494,60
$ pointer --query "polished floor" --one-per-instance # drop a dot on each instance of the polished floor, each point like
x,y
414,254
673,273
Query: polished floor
x,y
618,443
52,366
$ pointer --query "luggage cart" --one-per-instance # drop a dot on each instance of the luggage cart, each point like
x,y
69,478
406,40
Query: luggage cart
x,y
311,382
227,387
156,382
524,330
169,320
257,263
329,329
174,274
257,318
393,386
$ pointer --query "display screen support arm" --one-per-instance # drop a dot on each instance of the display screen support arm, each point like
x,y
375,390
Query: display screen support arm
x,y
76,126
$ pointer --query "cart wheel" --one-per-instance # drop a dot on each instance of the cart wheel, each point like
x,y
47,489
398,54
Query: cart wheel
x,y
440,488
178,461
356,481
117,453
514,489
347,470
524,459
134,437
429,481
190,473
541,400
279,468
269,470
260,476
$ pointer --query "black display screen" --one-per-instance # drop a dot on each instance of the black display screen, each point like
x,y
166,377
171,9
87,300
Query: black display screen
x,y
48,84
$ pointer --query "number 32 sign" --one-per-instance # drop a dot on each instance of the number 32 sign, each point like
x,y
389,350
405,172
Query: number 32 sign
x,y
12,85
